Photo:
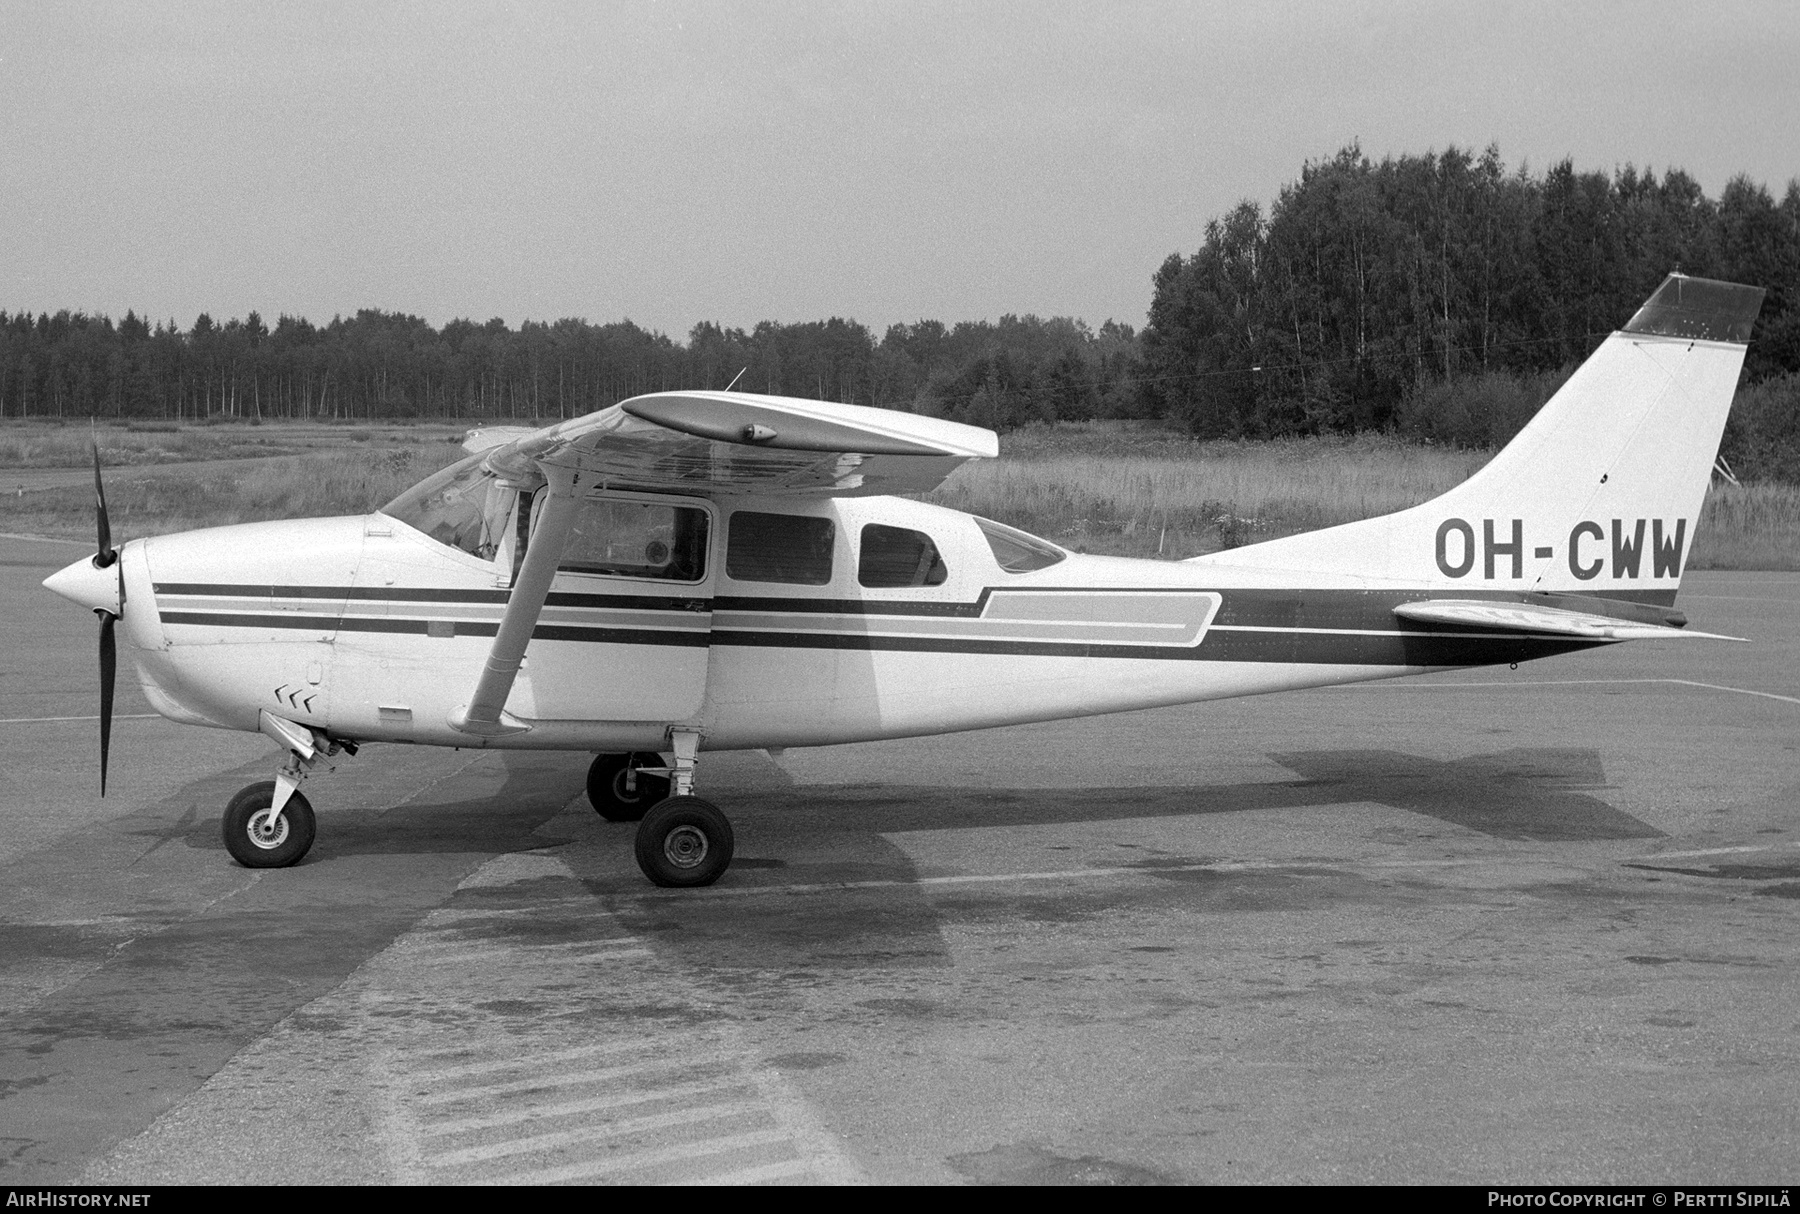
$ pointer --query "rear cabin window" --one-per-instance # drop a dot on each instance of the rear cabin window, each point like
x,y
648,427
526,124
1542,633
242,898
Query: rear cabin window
x,y
1018,551
790,548
638,539
897,556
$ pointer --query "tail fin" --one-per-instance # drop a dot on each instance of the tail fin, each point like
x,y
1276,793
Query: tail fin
x,y
1599,494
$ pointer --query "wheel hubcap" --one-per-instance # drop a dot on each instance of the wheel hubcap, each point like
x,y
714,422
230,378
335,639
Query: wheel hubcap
x,y
685,846
267,830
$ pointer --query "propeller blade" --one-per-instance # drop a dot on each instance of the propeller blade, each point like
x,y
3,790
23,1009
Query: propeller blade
x,y
104,554
109,665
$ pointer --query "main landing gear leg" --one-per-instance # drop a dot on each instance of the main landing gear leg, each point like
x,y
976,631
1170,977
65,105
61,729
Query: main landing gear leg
x,y
684,841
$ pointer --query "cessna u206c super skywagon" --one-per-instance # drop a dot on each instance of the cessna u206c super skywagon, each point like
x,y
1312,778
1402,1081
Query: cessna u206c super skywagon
x,y
701,571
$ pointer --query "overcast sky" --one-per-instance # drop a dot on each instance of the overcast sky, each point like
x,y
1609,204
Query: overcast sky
x,y
676,162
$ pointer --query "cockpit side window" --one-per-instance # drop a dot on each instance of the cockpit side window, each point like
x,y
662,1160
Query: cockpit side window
x,y
624,538
463,506
1018,551
898,557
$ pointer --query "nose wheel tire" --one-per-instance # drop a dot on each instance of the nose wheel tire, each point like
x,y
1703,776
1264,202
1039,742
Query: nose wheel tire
x,y
610,797
257,839
684,842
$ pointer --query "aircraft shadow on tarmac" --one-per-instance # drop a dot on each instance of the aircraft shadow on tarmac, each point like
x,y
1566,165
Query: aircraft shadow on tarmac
x,y
1539,794
837,834
1543,795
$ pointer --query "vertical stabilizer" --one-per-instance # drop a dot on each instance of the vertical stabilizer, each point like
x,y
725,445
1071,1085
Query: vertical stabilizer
x,y
1599,494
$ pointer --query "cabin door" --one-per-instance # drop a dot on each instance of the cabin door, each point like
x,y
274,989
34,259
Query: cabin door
x,y
624,635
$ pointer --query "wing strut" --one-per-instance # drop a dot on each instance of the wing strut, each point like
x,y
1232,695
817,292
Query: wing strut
x,y
485,714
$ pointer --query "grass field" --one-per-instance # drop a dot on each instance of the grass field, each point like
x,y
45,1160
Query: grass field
x,y
1096,487
45,444
1181,498
351,482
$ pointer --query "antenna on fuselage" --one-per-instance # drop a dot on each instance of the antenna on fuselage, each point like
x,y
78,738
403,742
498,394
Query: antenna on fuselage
x,y
734,379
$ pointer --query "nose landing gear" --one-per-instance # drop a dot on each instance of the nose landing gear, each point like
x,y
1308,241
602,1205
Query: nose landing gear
x,y
269,824
260,836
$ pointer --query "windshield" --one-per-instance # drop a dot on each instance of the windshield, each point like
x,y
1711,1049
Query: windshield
x,y
1018,551
462,506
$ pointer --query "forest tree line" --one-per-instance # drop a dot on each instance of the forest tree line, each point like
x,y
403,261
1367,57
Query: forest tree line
x,y
1440,295
389,365
1368,289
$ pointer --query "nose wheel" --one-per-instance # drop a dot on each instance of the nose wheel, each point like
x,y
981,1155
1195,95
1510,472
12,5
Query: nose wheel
x,y
258,837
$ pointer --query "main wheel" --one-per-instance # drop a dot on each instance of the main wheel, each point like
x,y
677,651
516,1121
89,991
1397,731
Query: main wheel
x,y
256,841
608,794
684,841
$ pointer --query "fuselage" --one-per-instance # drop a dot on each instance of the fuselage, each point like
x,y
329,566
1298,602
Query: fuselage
x,y
778,623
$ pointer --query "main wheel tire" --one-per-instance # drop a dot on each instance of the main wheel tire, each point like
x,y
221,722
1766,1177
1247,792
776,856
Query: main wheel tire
x,y
684,842
254,841
606,786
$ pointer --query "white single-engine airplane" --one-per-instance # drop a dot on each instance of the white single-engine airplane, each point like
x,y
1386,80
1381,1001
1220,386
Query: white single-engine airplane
x,y
702,571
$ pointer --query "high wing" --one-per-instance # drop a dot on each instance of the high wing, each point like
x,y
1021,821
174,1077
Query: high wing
x,y
701,443
714,443
1529,617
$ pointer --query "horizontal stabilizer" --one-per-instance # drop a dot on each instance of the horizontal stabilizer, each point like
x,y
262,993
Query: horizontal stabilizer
x,y
1526,617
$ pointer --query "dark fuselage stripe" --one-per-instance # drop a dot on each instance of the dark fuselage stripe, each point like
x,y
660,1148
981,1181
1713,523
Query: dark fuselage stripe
x,y
403,594
397,594
1336,649
460,628
1307,648
1331,609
